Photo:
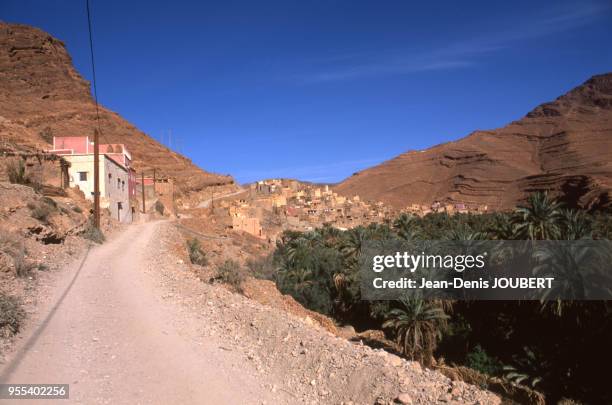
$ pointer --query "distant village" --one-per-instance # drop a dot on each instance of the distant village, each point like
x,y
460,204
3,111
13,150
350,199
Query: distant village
x,y
275,205
264,210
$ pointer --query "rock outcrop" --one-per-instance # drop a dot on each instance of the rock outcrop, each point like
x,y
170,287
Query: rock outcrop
x,y
41,95
564,146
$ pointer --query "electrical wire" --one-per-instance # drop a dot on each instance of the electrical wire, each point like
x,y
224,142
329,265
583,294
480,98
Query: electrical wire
x,y
93,69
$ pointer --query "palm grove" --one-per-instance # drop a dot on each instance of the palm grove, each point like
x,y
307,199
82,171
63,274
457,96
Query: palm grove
x,y
555,348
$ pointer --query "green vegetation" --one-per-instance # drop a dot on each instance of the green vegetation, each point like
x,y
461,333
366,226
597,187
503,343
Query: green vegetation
x,y
418,325
556,348
231,274
479,360
159,207
42,209
46,135
92,233
13,247
16,171
196,254
262,269
11,315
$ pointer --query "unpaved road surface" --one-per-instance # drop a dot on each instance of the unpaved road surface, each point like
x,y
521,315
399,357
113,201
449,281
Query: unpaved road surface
x,y
111,336
206,203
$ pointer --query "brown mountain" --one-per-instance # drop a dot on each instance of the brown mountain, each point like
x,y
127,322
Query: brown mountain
x,y
564,146
41,95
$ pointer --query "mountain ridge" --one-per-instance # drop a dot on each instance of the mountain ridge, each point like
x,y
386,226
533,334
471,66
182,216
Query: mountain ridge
x,y
563,146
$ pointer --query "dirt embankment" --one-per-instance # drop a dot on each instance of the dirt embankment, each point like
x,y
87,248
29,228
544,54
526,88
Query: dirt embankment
x,y
299,353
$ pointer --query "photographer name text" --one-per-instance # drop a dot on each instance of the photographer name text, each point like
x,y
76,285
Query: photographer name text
x,y
456,283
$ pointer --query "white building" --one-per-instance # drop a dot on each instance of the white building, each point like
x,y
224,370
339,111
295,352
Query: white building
x,y
114,177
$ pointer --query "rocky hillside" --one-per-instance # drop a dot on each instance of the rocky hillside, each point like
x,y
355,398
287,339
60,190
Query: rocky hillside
x,y
564,146
41,95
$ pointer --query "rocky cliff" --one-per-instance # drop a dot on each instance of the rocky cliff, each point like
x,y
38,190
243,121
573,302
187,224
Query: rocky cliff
x,y
564,146
41,95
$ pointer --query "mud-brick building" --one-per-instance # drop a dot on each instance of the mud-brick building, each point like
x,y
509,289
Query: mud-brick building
x,y
117,178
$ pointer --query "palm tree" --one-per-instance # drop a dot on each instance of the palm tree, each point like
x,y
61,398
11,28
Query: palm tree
x,y
406,227
353,242
580,270
300,279
502,228
464,233
329,234
576,225
540,219
418,326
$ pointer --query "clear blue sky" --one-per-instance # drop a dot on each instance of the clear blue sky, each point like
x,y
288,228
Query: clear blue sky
x,y
320,89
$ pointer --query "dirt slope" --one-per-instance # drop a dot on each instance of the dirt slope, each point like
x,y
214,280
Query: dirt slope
x,y
564,145
41,95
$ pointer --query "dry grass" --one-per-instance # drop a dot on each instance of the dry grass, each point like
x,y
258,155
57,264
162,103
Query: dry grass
x,y
515,392
14,249
16,171
231,273
196,254
11,315
92,233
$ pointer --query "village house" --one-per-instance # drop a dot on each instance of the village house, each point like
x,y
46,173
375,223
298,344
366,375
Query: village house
x,y
117,178
249,225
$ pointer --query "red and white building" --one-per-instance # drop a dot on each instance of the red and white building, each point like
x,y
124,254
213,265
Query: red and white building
x,y
117,177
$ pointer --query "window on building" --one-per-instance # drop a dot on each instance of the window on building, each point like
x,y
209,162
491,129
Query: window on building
x,y
110,176
122,185
82,176
118,183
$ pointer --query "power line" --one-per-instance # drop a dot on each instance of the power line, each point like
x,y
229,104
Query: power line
x,y
93,70
93,64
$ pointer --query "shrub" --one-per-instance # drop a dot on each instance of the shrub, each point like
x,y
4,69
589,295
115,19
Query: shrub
x,y
263,268
480,361
16,171
232,274
11,315
77,209
46,135
49,201
40,211
92,233
159,207
196,254
13,247
23,267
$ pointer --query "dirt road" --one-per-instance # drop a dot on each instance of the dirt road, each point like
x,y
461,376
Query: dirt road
x,y
206,203
110,335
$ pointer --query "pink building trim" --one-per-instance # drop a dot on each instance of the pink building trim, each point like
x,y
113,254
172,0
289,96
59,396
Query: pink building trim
x,y
81,145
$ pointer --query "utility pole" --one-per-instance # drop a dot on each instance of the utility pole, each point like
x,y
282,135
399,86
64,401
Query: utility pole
x,y
96,178
143,193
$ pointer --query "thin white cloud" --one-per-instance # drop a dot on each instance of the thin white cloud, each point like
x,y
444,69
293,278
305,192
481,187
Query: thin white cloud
x,y
462,53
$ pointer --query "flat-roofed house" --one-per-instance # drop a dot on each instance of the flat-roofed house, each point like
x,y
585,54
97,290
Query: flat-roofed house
x,y
117,178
